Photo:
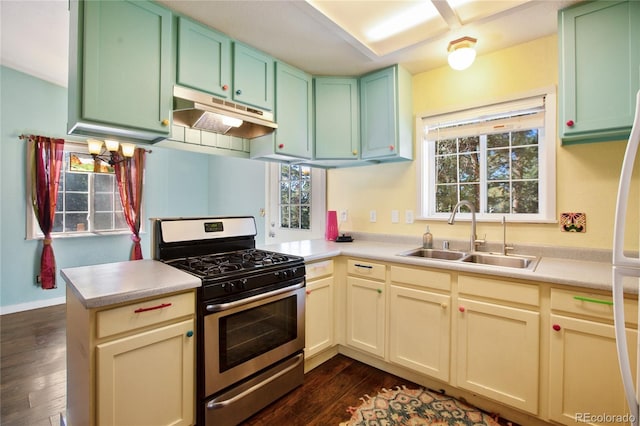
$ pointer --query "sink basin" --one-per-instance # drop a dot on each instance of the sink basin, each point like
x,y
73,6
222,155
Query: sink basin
x,y
511,261
434,254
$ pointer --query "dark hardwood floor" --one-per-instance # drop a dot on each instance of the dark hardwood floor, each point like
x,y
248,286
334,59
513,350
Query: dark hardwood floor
x,y
33,378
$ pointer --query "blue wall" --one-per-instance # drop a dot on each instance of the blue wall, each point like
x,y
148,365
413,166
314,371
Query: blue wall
x,y
177,183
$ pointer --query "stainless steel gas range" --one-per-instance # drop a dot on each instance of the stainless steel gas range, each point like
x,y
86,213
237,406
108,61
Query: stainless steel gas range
x,y
250,314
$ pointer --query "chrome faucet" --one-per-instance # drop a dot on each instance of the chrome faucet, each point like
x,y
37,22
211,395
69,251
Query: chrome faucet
x,y
473,241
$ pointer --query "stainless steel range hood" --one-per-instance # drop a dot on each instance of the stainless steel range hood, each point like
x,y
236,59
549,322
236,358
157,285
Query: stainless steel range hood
x,y
202,111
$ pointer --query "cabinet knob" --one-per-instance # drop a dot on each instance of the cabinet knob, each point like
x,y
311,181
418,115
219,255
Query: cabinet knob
x,y
354,152
570,123
379,291
280,146
443,305
556,327
391,147
225,87
238,92
308,292
165,122
461,309
190,333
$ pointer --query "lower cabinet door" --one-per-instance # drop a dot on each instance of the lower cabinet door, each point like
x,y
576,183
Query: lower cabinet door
x,y
147,378
498,349
319,316
366,315
584,378
419,331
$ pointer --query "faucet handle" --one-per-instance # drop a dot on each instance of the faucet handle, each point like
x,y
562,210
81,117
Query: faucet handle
x,y
481,240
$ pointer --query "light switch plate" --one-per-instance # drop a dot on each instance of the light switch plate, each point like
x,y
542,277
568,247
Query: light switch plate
x,y
373,216
395,216
343,215
408,216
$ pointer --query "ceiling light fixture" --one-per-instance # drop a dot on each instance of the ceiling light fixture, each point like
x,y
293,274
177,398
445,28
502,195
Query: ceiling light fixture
x,y
403,21
461,53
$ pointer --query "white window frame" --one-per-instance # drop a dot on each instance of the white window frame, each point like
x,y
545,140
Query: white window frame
x,y
426,173
33,231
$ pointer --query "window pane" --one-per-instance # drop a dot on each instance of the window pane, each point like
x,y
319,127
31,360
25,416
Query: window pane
x,y
525,197
295,217
121,223
498,140
284,192
284,216
469,144
498,197
295,192
469,168
103,202
103,221
525,163
498,164
305,217
76,202
527,137
295,196
471,193
284,172
103,183
447,169
58,222
76,222
77,182
447,146
446,197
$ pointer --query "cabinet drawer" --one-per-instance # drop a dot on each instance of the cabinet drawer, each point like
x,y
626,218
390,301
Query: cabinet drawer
x,y
367,269
594,305
509,291
421,277
143,314
319,269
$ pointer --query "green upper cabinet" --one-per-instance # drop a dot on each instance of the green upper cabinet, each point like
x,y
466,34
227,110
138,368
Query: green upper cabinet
x,y
203,59
386,115
293,139
337,124
252,77
119,70
599,46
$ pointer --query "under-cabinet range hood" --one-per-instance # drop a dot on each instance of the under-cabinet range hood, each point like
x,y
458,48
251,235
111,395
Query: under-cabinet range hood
x,y
202,111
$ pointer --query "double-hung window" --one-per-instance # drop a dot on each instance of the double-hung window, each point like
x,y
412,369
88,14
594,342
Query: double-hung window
x,y
500,157
88,200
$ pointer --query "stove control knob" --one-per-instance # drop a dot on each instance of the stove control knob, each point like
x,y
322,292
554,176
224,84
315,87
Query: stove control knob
x,y
228,287
242,284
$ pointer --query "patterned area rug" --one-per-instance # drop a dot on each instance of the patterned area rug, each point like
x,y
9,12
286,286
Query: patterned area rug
x,y
415,407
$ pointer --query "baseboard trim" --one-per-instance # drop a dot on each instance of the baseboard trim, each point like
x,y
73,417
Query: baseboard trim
x,y
20,307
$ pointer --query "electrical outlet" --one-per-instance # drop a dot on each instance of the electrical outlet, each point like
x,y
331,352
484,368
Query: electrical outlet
x,y
373,216
408,216
395,216
343,215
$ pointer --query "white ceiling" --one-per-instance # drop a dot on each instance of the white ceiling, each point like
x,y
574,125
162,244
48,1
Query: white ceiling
x,y
322,37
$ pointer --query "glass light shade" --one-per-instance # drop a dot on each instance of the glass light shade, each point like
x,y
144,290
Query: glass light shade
x,y
112,145
230,121
128,149
462,58
94,146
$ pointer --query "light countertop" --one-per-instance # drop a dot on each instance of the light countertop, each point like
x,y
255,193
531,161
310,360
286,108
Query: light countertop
x,y
581,273
112,283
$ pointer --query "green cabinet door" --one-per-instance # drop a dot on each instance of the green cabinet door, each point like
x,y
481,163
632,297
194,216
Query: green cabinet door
x,y
252,77
599,45
203,59
337,123
120,80
386,115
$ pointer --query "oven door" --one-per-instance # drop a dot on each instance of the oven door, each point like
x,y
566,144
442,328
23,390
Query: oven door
x,y
246,336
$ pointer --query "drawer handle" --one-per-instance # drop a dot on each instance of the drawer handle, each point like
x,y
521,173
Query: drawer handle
x,y
153,308
591,300
357,265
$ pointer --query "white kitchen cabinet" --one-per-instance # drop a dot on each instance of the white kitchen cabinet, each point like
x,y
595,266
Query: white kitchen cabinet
x,y
366,306
498,340
133,363
420,320
584,376
319,312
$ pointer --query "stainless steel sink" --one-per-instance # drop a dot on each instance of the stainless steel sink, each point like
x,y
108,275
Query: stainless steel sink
x,y
435,254
509,261
490,259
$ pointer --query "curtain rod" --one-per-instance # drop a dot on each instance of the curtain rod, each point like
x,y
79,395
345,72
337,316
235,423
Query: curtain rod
x,y
80,141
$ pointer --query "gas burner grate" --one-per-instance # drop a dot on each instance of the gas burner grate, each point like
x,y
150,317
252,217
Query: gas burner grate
x,y
223,263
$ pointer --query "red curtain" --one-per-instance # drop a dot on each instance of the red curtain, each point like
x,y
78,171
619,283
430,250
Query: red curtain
x,y
46,157
130,175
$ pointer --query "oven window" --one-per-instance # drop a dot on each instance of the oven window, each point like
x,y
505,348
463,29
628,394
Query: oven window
x,y
248,334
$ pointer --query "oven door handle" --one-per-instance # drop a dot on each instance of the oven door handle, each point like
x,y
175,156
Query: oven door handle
x,y
212,405
224,306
